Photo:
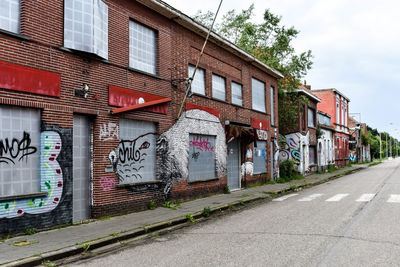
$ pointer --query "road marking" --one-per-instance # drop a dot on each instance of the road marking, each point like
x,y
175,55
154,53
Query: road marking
x,y
284,197
366,197
311,197
394,199
337,197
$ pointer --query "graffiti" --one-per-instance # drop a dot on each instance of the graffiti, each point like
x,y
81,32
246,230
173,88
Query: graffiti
x,y
51,177
296,157
195,155
202,144
248,166
16,149
353,156
128,159
261,134
109,131
168,169
276,159
107,183
294,146
202,123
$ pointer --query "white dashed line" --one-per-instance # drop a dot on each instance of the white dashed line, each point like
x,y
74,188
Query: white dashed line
x,y
366,197
337,197
284,197
394,199
310,198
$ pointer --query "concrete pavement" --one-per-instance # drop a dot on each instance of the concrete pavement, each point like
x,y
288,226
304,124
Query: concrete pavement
x,y
63,242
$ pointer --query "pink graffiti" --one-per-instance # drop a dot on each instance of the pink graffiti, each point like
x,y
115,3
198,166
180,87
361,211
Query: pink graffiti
x,y
202,144
107,183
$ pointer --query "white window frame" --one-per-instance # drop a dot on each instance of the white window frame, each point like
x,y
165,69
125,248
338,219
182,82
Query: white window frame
x,y
86,26
218,87
11,21
272,105
199,82
237,93
258,95
308,117
19,176
142,47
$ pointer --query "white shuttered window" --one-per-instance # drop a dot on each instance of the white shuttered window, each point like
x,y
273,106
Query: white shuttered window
x,y
142,48
19,150
218,87
86,26
236,94
258,95
9,15
198,83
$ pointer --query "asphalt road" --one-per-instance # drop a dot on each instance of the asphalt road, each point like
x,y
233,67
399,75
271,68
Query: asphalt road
x,y
351,221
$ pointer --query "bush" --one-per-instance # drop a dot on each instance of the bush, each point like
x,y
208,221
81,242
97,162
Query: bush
x,y
286,169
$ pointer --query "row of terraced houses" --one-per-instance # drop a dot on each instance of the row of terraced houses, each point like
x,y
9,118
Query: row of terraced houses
x,y
90,112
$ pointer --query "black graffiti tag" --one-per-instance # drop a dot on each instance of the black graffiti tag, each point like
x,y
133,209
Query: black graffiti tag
x,y
16,149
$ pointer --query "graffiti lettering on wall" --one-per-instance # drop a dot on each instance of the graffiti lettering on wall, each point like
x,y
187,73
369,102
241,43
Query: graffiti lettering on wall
x,y
288,149
51,177
129,158
294,146
16,149
107,183
109,131
168,169
195,155
262,135
202,144
353,156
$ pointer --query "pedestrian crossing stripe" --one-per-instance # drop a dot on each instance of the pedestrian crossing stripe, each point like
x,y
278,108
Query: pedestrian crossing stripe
x,y
393,198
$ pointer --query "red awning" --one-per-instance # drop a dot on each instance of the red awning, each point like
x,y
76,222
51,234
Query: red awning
x,y
138,106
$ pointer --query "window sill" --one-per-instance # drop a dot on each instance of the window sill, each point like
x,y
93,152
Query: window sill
x,y
236,105
145,73
312,127
83,54
139,183
203,180
15,35
262,112
219,100
23,196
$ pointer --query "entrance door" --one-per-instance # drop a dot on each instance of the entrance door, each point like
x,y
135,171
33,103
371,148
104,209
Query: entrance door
x,y
233,165
81,169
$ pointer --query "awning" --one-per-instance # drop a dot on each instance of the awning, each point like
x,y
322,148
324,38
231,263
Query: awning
x,y
127,100
138,106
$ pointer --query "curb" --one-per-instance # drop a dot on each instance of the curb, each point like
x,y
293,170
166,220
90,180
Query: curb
x,y
162,225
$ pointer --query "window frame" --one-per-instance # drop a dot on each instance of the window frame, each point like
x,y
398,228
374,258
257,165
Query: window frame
x,y
211,174
308,117
241,93
272,93
213,91
197,78
253,96
155,49
18,20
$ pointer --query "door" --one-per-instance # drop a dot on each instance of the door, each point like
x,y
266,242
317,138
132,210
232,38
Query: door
x,y
81,169
233,165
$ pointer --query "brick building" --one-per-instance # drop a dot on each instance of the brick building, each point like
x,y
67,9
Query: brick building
x,y
90,93
359,149
326,151
298,141
335,104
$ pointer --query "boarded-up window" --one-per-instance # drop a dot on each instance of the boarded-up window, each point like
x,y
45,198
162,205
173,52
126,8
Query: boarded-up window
x,y
19,150
260,157
201,157
136,151
312,154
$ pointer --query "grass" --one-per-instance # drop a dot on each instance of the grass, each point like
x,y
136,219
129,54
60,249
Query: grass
x,y
206,212
189,216
30,231
152,205
374,163
113,234
227,190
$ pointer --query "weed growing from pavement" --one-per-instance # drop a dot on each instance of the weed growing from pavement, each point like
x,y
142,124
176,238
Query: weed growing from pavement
x,y
227,190
172,205
231,207
113,234
246,195
206,212
24,243
241,202
152,205
49,264
189,216
30,231
374,163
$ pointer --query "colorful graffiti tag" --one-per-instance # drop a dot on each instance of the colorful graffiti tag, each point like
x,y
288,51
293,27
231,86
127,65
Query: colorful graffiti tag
x,y
51,181
353,156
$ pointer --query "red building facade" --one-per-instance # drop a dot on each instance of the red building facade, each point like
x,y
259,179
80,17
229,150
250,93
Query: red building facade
x,y
336,105
90,99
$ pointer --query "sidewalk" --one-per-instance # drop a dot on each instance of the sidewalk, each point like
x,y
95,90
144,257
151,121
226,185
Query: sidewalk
x,y
63,242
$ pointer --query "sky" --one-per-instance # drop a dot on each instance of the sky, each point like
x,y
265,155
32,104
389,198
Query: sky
x,y
355,46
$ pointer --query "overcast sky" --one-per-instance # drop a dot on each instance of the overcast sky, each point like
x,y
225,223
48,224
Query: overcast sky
x,y
356,48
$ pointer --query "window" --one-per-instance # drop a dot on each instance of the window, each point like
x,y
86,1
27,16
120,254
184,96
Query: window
x,y
142,48
236,94
311,117
19,151
272,105
258,95
9,15
218,87
312,154
345,114
201,157
337,111
136,151
260,157
198,83
325,120
86,26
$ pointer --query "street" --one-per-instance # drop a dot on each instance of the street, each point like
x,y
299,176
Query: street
x,y
351,221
